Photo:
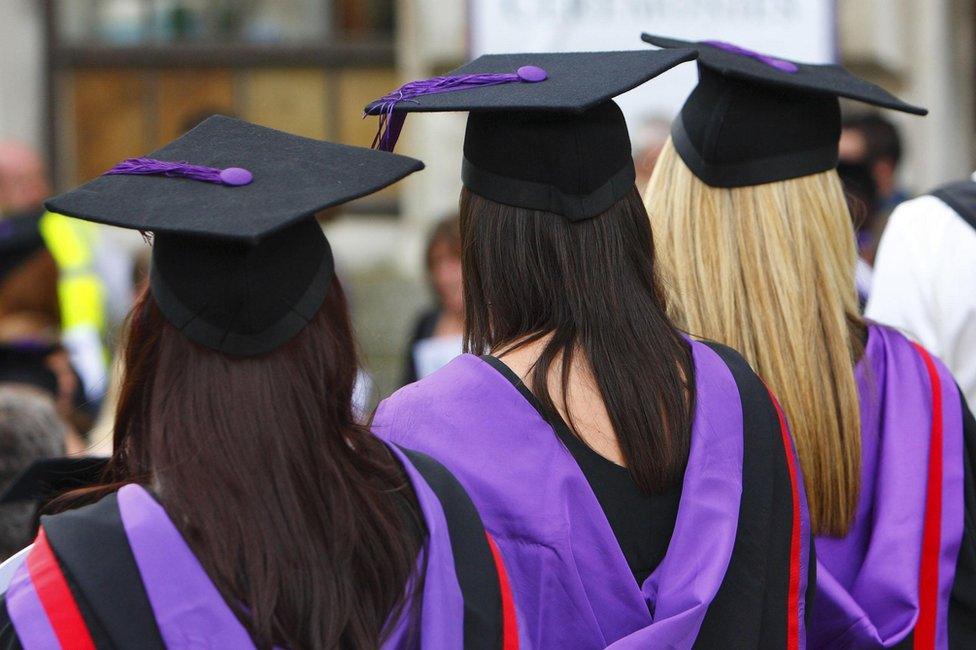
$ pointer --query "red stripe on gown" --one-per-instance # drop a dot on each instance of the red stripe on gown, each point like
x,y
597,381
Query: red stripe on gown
x,y
928,577
793,598
510,640
56,597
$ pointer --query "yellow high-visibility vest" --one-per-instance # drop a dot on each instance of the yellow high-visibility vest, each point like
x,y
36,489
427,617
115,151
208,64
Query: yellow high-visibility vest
x,y
80,291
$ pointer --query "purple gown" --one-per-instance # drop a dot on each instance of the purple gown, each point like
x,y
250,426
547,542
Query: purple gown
x,y
735,572
881,585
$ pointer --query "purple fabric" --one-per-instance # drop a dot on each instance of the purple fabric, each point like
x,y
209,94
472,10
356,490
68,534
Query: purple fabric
x,y
781,65
868,580
27,614
392,123
189,610
572,585
232,176
442,611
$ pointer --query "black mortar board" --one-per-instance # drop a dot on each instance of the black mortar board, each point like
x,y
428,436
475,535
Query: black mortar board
x,y
240,265
26,363
543,131
45,479
754,118
20,240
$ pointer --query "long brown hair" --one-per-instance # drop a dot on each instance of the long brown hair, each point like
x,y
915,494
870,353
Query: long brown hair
x,y
589,285
769,270
300,516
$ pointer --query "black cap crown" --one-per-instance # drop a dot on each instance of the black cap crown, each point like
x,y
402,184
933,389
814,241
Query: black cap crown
x,y
544,132
754,118
239,263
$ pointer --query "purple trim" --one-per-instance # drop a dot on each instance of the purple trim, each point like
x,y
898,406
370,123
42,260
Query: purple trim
x,y
390,123
442,610
868,580
231,176
472,419
27,614
189,610
780,64
687,580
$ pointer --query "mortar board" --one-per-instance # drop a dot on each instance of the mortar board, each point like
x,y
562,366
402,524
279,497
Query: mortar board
x,y
754,118
26,363
45,479
239,264
543,130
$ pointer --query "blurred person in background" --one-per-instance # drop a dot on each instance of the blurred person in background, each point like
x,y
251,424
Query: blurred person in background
x,y
72,245
757,251
30,309
29,306
870,152
925,276
874,140
45,369
30,430
437,334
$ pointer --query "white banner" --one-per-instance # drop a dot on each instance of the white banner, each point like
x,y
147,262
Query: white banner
x,y
803,30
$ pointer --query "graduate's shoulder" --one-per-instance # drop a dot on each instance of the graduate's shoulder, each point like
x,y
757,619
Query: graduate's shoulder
x,y
751,388
433,398
889,341
760,415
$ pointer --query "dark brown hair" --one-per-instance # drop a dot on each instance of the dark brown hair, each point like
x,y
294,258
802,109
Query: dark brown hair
x,y
302,518
591,285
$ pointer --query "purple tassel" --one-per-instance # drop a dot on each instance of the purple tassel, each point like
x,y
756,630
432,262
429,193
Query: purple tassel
x,y
232,176
391,123
779,64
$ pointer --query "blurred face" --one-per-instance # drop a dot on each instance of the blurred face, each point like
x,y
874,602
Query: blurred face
x,y
445,276
853,146
23,179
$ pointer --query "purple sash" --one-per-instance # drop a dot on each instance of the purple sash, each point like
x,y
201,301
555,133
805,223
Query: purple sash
x,y
550,527
442,611
27,613
868,581
190,611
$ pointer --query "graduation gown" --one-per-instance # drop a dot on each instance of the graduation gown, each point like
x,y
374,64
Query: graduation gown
x,y
735,573
905,573
118,574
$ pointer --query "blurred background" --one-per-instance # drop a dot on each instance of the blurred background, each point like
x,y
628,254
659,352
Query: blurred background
x,y
87,83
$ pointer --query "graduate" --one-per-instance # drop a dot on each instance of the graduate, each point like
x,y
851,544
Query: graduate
x,y
641,486
243,506
757,247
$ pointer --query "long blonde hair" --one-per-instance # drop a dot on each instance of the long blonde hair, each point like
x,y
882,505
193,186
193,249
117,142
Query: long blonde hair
x,y
769,270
